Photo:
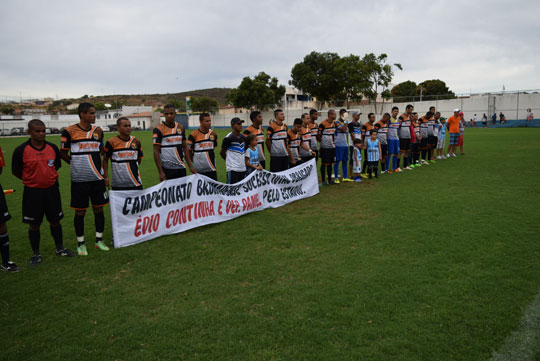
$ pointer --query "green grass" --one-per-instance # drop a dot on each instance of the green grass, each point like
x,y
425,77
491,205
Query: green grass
x,y
434,264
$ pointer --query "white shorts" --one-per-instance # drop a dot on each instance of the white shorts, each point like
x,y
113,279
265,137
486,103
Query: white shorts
x,y
357,169
440,142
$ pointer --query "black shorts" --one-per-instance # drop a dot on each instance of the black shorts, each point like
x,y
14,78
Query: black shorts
x,y
424,143
4,213
42,201
404,144
138,188
351,156
235,177
278,164
432,140
211,175
263,163
384,150
82,191
174,173
328,156
415,147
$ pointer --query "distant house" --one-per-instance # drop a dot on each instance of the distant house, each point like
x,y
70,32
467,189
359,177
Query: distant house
x,y
145,120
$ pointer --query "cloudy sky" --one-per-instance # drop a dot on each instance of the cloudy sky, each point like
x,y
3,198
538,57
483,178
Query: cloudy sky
x,y
71,48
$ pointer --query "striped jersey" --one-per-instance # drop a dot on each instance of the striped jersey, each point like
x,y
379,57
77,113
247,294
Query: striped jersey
x,y
278,136
305,138
84,146
327,132
314,132
235,152
431,124
124,156
357,161
424,126
366,129
355,130
170,140
405,127
341,137
442,131
373,150
258,133
203,145
417,130
393,128
436,128
382,131
294,140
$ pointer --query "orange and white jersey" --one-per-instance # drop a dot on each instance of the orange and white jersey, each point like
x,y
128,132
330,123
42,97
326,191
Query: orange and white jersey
x,y
327,132
203,145
258,133
171,142
84,147
314,133
294,140
278,135
124,156
305,138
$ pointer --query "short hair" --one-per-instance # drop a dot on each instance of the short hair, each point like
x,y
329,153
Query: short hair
x,y
84,108
431,107
370,114
341,111
357,141
119,120
250,138
254,115
313,111
409,106
386,115
395,108
438,113
276,112
331,111
169,106
429,114
35,123
415,113
203,115
297,121
373,131
304,115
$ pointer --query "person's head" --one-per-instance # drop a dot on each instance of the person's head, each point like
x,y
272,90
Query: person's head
x,y
251,140
429,114
236,124
385,117
456,112
305,119
332,114
297,125
395,111
414,116
205,121
36,130
443,119
373,134
169,113
343,113
437,115
475,115
356,116
256,118
87,112
357,143
432,109
409,108
279,115
313,114
123,125
371,117
461,114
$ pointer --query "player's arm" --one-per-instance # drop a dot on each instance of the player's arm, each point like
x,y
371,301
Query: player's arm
x,y
106,155
17,163
65,144
380,151
99,132
156,138
268,140
319,134
343,128
187,152
224,146
140,151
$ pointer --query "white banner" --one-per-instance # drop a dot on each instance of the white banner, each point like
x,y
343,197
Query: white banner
x,y
177,205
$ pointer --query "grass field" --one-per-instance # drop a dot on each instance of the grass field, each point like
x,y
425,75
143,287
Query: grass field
x,y
438,263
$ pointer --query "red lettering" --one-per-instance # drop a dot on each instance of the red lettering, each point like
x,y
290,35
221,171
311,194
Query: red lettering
x,y
137,232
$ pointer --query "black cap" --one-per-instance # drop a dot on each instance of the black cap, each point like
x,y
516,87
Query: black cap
x,y
236,121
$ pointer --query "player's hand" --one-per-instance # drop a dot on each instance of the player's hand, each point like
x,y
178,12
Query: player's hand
x,y
162,176
293,162
107,182
193,171
259,167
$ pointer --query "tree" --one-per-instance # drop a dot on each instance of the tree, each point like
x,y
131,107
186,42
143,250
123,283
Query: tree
x,y
434,89
318,75
380,75
404,92
353,78
204,104
261,92
99,106
7,109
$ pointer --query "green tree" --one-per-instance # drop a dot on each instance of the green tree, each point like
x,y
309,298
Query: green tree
x,y
99,106
434,89
353,78
380,74
318,75
204,104
7,109
404,92
261,92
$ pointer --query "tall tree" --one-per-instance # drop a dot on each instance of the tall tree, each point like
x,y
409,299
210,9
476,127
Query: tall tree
x,y
204,104
404,92
434,89
261,92
318,76
353,77
380,74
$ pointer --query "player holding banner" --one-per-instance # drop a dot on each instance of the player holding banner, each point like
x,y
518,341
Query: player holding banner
x,y
7,265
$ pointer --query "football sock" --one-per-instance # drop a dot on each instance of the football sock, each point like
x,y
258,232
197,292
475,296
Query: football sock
x,y
329,171
344,169
364,165
34,240
323,173
423,154
395,161
57,235
336,170
376,171
388,162
429,155
78,221
99,218
383,164
4,247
